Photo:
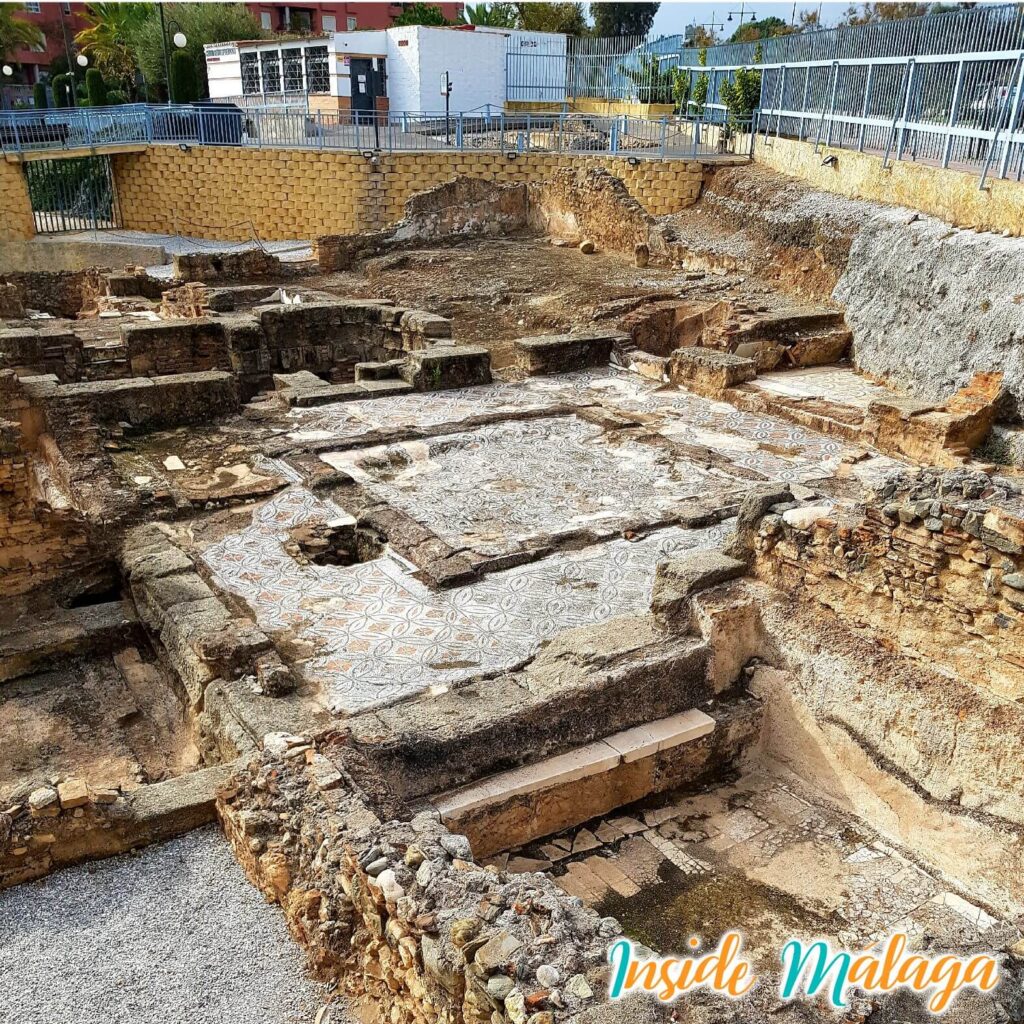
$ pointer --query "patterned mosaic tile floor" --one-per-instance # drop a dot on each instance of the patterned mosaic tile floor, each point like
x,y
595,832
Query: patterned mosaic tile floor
x,y
381,636
496,488
838,384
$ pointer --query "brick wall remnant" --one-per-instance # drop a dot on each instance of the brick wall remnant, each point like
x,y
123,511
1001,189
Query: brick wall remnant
x,y
249,265
63,293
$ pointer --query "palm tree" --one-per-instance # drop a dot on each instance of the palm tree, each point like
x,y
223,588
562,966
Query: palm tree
x,y
492,15
110,38
16,34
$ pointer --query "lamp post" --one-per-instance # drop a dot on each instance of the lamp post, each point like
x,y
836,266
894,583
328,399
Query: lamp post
x,y
179,41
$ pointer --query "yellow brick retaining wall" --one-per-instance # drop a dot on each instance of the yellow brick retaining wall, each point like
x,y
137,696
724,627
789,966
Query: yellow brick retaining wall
x,y
953,196
227,193
16,221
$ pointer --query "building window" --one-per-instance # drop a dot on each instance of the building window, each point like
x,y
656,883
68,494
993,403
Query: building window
x,y
32,8
292,69
266,21
250,74
351,22
270,65
328,23
299,20
318,78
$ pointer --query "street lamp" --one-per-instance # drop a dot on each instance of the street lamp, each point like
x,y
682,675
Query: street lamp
x,y
180,41
8,70
82,61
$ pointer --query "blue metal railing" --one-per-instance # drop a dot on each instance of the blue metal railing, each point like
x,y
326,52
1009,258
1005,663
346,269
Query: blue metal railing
x,y
227,125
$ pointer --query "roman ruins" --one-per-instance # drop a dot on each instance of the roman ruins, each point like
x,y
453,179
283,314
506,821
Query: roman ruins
x,y
514,573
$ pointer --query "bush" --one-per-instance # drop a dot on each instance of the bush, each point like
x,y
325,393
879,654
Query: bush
x,y
115,98
63,90
95,88
39,96
183,78
743,95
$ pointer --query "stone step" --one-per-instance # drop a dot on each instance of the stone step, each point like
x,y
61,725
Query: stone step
x,y
538,799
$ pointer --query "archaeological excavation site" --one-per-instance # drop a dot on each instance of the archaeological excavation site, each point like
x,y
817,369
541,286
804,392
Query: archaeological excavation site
x,y
398,612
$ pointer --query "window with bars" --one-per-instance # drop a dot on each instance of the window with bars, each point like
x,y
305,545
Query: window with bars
x,y
250,74
270,64
318,79
292,62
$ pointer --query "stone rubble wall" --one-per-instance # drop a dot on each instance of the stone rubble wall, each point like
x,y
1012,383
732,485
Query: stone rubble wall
x,y
397,909
248,265
943,574
62,293
38,545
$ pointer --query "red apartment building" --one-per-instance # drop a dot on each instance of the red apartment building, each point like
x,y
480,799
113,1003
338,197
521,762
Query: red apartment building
x,y
313,18
58,22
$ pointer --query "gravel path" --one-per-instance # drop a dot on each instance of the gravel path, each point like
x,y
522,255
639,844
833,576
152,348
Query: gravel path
x,y
174,935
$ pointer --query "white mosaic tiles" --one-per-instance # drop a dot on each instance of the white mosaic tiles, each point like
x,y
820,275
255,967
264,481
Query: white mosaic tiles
x,y
380,636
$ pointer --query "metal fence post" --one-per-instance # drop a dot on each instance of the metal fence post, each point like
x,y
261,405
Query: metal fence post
x,y
954,113
832,104
613,137
664,135
1014,110
865,107
459,130
803,106
901,137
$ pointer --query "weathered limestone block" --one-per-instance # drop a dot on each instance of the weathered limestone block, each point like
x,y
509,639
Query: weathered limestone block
x,y
563,353
447,366
677,580
709,371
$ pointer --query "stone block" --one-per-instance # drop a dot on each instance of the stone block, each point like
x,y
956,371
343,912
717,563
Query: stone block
x,y
447,366
676,581
563,353
709,371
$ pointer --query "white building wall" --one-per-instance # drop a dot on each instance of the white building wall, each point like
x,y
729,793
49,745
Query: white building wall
x,y
403,60
224,70
474,60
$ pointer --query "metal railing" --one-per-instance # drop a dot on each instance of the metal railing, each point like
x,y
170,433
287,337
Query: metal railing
x,y
626,68
104,128
962,111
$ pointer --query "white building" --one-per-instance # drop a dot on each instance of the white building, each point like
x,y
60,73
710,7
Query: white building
x,y
397,69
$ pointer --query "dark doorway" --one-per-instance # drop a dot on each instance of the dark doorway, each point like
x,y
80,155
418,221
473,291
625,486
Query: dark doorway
x,y
367,85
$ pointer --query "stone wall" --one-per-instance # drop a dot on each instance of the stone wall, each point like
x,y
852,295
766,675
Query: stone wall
x,y
249,265
176,347
303,194
16,220
941,572
37,544
593,204
393,906
63,293
952,195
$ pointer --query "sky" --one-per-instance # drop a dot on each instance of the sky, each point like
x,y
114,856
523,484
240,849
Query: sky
x,y
674,16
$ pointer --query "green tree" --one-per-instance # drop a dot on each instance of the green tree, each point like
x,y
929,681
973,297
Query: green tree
x,y
750,31
612,19
554,17
183,78
39,96
420,14
16,34
653,80
699,95
492,15
95,88
63,89
110,38
201,23
115,97
742,95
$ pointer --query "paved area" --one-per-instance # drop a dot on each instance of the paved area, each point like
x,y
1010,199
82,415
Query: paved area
x,y
838,384
174,934
762,851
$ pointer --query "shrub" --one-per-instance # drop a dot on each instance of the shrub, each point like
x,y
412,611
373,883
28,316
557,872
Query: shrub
x,y
39,96
95,88
183,78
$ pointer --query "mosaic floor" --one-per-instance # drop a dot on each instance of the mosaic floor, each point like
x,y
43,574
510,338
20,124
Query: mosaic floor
x,y
499,487
838,384
381,636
